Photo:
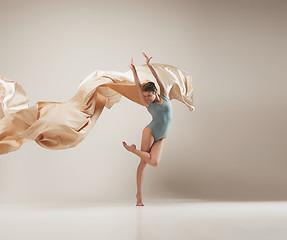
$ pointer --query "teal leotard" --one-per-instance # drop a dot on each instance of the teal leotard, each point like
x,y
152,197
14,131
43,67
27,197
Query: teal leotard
x,y
161,117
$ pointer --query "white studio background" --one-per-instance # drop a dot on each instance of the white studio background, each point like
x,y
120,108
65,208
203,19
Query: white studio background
x,y
233,146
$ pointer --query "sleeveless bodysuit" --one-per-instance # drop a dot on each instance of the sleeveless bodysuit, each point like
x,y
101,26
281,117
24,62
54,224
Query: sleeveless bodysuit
x,y
161,117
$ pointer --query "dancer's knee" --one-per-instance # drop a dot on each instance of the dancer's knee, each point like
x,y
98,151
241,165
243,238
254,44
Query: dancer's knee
x,y
154,163
143,163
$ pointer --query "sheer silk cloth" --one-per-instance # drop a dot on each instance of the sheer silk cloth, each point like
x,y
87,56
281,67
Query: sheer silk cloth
x,y
60,125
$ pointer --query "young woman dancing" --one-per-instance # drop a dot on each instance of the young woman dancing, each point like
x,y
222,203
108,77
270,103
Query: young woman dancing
x,y
154,134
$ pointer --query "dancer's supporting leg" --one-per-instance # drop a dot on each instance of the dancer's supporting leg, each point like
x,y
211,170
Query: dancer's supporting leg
x,y
146,143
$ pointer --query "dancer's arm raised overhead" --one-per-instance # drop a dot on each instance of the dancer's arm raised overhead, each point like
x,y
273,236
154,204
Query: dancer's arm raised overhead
x,y
138,84
163,90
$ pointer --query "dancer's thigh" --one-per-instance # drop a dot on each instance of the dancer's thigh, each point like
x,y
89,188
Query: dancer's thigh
x,y
156,151
147,139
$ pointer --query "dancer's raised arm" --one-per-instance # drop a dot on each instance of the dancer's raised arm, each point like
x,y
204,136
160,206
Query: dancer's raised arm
x,y
163,90
138,84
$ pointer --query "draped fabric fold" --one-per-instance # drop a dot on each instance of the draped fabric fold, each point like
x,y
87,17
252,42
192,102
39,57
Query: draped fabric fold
x,y
61,125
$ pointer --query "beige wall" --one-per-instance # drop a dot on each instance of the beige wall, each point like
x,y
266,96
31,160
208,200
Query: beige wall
x,y
232,147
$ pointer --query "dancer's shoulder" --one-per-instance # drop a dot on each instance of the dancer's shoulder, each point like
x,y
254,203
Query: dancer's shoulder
x,y
164,96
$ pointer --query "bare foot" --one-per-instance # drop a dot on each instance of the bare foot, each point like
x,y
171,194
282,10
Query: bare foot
x,y
130,148
139,200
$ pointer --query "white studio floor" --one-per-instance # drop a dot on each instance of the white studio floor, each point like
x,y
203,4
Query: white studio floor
x,y
158,219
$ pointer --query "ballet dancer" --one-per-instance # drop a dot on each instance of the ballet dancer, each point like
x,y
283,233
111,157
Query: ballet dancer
x,y
155,133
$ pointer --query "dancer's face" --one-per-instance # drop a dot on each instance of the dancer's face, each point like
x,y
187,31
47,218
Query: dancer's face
x,y
150,96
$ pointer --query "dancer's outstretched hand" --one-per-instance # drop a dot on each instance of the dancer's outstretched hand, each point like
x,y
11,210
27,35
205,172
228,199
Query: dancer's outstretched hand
x,y
147,58
132,66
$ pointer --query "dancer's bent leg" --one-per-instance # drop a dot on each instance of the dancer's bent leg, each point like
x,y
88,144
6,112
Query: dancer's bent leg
x,y
153,157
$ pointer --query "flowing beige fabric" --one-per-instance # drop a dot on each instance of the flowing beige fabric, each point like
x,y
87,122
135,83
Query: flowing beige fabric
x,y
60,125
